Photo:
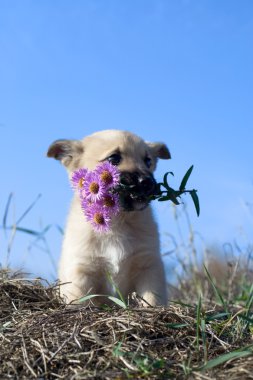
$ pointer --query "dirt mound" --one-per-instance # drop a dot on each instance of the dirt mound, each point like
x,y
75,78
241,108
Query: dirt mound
x,y
42,338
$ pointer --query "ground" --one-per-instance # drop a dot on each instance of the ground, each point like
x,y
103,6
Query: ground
x,y
42,338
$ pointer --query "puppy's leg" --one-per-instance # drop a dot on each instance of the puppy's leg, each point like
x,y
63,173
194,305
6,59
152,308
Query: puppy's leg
x,y
82,283
150,283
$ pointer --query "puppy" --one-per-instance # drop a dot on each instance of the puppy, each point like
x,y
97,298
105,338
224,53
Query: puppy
x,y
130,251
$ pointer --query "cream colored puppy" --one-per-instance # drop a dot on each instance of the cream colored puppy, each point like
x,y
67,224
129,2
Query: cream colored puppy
x,y
130,252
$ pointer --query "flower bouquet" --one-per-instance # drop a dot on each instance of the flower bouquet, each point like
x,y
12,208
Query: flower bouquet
x,y
100,190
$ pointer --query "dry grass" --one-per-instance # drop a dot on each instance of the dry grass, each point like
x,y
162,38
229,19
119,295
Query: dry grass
x,y
41,338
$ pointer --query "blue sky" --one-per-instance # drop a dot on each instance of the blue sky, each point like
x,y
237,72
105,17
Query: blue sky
x,y
174,71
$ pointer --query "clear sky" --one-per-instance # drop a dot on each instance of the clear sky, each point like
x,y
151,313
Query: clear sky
x,y
178,71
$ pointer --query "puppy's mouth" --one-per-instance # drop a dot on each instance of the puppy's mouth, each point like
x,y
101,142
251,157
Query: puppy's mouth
x,y
136,190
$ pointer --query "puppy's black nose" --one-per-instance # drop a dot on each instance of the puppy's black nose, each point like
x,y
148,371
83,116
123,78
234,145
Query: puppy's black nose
x,y
146,184
138,184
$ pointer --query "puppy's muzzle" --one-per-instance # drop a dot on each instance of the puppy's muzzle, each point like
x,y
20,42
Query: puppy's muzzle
x,y
136,190
138,184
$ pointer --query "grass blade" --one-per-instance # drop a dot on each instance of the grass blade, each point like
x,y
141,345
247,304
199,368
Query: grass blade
x,y
28,210
60,229
117,352
5,326
116,288
89,297
28,231
249,300
198,327
225,357
118,302
176,302
249,320
7,211
176,326
114,299
217,316
204,340
216,290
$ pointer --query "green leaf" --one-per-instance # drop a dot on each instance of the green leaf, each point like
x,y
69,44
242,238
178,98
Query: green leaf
x,y
173,194
115,287
185,179
114,299
158,364
89,297
118,302
165,180
195,199
224,358
165,198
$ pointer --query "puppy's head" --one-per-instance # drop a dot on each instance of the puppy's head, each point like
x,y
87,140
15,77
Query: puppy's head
x,y
135,158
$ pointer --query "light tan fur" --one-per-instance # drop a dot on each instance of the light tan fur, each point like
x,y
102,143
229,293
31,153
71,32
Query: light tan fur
x,y
130,252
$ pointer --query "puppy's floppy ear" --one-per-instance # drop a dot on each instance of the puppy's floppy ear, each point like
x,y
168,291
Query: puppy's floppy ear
x,y
66,151
160,150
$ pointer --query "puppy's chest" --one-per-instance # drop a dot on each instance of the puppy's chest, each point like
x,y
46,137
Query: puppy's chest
x,y
115,252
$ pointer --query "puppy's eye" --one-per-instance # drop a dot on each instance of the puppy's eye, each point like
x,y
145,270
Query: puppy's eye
x,y
114,159
148,162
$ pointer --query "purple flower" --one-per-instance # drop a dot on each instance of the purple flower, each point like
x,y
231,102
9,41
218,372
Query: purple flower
x,y
93,188
98,202
78,178
110,202
98,217
108,174
86,204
